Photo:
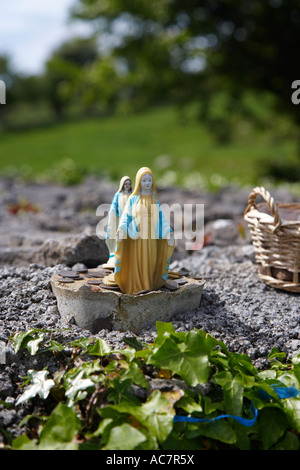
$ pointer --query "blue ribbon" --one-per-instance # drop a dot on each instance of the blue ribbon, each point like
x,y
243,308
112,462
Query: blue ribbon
x,y
282,392
244,421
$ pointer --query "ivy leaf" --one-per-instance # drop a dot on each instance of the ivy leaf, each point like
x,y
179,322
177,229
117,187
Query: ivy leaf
x,y
133,343
218,430
164,331
60,430
233,392
289,442
82,343
156,414
275,353
135,374
188,403
124,437
120,392
163,328
100,348
291,407
40,385
23,442
241,363
53,346
28,339
272,426
76,384
5,404
189,359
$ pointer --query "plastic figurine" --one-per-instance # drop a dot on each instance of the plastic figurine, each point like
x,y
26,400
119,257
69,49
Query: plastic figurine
x,y
115,212
145,241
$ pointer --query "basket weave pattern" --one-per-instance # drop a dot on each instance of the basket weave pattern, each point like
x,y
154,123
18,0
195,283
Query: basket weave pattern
x,y
276,242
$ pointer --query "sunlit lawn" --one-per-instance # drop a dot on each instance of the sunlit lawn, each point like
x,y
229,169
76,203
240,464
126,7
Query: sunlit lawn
x,y
177,152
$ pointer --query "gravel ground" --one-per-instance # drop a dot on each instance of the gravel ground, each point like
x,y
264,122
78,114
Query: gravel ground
x,y
236,307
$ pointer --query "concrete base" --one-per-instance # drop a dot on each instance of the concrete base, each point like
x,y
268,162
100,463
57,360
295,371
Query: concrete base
x,y
95,308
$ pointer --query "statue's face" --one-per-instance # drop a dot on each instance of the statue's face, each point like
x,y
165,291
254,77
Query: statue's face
x,y
146,182
127,185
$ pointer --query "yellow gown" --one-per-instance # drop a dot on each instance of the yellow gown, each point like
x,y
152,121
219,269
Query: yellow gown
x,y
144,260
142,256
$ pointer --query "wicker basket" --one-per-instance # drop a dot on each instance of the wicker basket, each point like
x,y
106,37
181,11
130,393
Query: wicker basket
x,y
275,234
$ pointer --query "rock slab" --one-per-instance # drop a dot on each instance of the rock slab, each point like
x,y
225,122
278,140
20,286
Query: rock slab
x,y
110,309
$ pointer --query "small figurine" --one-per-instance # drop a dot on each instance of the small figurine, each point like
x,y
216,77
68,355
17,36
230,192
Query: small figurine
x,y
145,241
115,212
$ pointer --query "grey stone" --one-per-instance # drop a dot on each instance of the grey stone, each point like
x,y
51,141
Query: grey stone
x,y
71,249
123,311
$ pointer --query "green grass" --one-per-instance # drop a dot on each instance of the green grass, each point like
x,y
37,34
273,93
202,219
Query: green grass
x,y
178,153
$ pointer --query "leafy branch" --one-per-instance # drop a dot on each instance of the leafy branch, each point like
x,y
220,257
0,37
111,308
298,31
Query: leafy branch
x,y
183,391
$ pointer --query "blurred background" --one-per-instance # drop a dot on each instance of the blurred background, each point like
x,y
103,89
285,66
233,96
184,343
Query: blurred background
x,y
200,91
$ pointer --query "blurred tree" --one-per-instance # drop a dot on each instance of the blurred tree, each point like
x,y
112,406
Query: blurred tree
x,y
149,46
76,79
255,47
193,49
100,86
29,89
64,70
24,95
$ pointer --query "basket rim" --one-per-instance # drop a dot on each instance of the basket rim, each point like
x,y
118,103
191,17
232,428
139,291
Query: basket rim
x,y
269,219
275,219
266,224
279,284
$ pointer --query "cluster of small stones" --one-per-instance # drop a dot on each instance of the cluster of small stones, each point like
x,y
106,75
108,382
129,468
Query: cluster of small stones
x,y
94,279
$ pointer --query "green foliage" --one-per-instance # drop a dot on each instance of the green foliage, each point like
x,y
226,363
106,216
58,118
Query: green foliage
x,y
200,48
29,339
57,434
154,52
99,398
40,385
179,153
189,358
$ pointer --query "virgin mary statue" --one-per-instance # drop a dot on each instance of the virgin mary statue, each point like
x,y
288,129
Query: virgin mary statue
x,y
145,241
115,211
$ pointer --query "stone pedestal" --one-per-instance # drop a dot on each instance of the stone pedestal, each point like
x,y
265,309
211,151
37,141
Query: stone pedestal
x,y
94,307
